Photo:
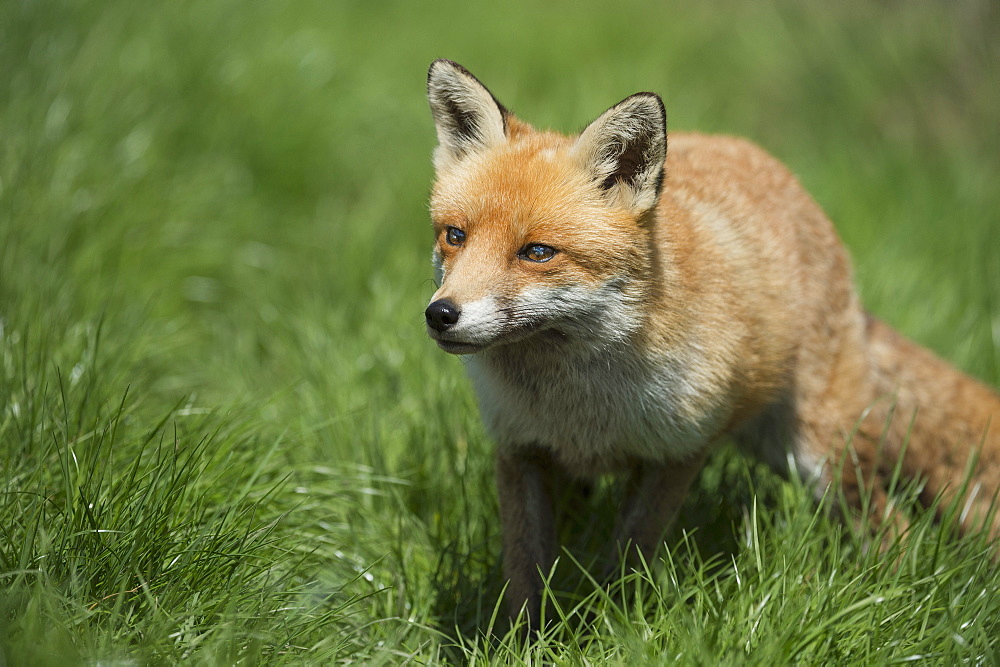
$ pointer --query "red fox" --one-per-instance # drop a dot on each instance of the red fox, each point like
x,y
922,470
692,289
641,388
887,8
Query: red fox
x,y
625,308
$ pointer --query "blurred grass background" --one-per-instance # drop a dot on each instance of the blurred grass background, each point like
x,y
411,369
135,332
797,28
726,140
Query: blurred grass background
x,y
224,433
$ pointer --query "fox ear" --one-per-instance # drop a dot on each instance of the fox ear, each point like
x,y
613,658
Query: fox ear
x,y
625,148
466,114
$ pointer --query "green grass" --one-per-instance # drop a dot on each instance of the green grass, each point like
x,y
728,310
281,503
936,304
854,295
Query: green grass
x,y
224,435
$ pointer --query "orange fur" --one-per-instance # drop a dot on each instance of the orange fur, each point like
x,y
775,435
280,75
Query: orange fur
x,y
724,308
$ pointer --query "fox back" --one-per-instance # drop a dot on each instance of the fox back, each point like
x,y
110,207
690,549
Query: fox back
x,y
625,307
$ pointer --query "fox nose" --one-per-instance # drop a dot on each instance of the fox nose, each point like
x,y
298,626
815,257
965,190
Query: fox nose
x,y
442,315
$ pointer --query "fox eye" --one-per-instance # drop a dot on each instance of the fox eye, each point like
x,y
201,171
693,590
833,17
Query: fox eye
x,y
454,236
537,253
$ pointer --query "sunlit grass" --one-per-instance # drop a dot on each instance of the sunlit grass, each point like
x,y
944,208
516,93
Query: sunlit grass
x,y
224,434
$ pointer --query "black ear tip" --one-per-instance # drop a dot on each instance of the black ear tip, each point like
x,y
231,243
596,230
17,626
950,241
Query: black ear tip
x,y
647,94
651,101
650,98
437,65
441,64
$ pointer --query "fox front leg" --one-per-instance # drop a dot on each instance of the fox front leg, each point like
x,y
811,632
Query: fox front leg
x,y
653,497
529,534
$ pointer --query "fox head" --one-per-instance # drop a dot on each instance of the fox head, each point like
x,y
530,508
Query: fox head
x,y
537,233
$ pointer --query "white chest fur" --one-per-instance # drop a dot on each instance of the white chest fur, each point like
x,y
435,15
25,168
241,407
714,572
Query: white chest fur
x,y
595,411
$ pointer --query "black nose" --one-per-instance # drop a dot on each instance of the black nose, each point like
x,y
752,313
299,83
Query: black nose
x,y
442,315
